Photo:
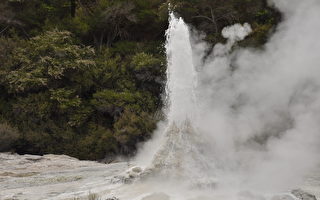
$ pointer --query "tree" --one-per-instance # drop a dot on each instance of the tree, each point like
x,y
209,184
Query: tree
x,y
8,18
46,61
113,21
132,128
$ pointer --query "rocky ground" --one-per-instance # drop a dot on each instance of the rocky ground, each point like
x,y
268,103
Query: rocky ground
x,y
61,177
54,177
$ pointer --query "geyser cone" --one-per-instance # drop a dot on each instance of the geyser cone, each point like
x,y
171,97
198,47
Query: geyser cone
x,y
181,156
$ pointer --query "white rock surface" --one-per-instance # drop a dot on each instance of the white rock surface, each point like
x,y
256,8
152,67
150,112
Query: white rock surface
x,y
60,177
54,177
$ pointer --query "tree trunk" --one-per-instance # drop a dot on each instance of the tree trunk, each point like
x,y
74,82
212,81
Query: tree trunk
x,y
73,6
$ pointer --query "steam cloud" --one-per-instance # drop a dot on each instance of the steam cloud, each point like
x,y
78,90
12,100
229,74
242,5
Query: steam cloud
x,y
261,108
258,110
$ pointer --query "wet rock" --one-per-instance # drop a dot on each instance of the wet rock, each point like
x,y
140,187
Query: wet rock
x,y
18,174
303,195
33,158
136,169
50,176
129,176
112,198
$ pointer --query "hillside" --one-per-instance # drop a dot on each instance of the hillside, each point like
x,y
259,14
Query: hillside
x,y
86,78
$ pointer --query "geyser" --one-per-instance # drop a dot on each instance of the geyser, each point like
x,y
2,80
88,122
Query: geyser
x,y
241,119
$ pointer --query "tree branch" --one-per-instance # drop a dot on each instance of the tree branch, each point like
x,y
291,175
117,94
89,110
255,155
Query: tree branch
x,y
4,29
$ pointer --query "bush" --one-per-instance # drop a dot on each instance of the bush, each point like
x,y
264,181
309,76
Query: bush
x,y
132,128
97,144
48,60
8,136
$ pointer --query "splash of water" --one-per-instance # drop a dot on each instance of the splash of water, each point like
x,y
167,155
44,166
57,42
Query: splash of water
x,y
181,74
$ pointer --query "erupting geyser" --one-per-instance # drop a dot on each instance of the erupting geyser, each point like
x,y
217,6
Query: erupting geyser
x,y
180,153
181,74
241,123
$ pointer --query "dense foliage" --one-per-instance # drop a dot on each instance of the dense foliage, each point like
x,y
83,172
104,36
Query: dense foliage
x,y
85,77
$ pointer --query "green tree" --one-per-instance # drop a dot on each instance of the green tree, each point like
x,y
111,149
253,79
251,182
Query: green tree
x,y
132,128
46,61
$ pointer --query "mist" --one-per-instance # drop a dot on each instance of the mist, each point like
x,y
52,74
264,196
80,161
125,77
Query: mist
x,y
242,119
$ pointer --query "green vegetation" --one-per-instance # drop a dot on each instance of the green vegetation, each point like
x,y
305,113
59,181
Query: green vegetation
x,y
85,78
8,136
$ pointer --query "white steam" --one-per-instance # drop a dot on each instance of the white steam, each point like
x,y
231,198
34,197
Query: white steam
x,y
255,112
236,32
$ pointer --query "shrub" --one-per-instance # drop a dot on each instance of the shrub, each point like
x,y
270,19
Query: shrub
x,y
47,60
8,136
132,128
97,144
